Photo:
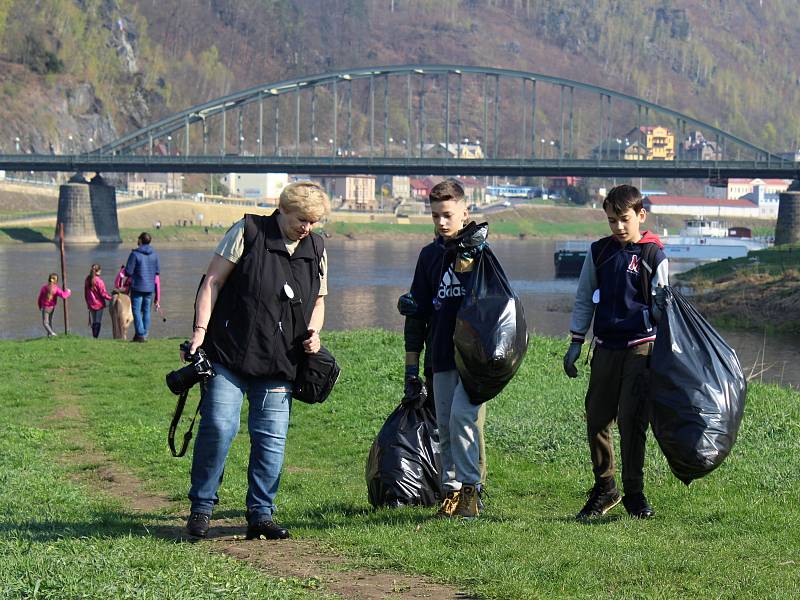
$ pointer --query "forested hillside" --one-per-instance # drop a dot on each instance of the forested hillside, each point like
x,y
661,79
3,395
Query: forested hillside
x,y
98,68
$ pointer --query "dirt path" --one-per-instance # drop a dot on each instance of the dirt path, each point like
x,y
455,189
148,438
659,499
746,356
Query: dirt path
x,y
305,560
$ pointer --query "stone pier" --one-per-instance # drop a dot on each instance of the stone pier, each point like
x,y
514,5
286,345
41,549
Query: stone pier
x,y
787,229
88,211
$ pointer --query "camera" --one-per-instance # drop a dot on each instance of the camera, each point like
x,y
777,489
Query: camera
x,y
181,380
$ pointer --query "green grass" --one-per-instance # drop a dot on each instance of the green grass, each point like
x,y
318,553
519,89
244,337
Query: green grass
x,y
733,534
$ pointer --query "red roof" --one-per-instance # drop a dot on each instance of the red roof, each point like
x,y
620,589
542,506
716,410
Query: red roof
x,y
696,201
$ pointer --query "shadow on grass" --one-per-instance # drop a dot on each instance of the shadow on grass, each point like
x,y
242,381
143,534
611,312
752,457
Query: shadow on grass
x,y
99,524
25,234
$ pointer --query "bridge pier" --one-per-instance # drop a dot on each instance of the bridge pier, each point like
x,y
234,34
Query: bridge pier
x,y
787,229
88,211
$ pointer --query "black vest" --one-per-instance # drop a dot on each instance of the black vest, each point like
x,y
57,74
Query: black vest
x,y
251,327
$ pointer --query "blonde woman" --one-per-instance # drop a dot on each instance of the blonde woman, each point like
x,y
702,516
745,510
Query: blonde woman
x,y
244,324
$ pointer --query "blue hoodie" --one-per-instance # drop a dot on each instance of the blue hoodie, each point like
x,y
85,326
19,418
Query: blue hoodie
x,y
142,267
610,291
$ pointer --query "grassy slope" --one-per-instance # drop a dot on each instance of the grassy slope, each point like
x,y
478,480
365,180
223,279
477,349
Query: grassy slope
x,y
733,534
761,290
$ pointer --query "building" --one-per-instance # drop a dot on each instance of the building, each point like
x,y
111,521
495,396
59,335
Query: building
x,y
474,190
657,141
635,151
155,185
700,207
733,188
560,184
419,189
463,150
256,186
351,192
697,147
394,186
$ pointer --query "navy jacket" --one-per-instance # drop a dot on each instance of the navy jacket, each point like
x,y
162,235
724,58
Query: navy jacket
x,y
609,289
142,267
438,291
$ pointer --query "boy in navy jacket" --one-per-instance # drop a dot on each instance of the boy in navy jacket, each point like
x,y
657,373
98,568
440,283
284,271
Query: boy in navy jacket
x,y
440,282
621,287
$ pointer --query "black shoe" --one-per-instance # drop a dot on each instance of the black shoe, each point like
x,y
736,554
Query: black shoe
x,y
599,503
139,338
197,525
267,528
637,506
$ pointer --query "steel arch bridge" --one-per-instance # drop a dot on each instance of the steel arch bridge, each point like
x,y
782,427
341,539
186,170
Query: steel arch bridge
x,y
424,119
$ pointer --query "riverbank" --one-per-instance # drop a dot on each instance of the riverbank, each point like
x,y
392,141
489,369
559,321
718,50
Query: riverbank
x,y
90,487
761,291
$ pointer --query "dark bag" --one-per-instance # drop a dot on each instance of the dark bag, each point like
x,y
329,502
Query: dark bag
x,y
697,391
316,373
491,335
403,462
316,376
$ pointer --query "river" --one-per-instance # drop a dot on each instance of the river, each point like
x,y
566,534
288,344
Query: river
x,y
366,278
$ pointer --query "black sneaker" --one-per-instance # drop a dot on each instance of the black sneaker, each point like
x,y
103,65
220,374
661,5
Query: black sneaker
x,y
267,528
599,503
637,506
198,524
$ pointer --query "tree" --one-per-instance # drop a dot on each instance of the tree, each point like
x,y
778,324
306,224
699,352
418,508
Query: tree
x,y
579,194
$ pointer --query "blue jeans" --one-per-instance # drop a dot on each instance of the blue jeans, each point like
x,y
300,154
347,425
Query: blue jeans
x,y
270,402
140,306
459,436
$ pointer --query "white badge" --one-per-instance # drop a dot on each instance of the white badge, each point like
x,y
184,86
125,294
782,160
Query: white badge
x,y
287,289
596,296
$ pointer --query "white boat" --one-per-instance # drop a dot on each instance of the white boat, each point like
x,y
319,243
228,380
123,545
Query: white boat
x,y
706,239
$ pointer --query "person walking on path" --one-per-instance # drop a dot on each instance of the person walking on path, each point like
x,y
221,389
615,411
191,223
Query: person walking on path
x,y
48,297
244,323
143,269
94,290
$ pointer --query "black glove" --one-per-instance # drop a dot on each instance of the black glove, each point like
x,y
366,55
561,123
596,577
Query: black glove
x,y
414,392
572,355
406,305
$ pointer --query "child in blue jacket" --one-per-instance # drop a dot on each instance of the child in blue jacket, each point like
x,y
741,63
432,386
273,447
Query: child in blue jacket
x,y
619,280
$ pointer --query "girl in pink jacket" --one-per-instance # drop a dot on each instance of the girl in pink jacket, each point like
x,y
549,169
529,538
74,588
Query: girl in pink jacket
x,y
94,290
48,297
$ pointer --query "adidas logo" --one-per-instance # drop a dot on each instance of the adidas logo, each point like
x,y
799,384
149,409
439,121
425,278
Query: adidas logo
x,y
450,286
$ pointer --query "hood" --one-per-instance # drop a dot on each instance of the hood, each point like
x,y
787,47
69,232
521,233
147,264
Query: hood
x,y
144,249
648,237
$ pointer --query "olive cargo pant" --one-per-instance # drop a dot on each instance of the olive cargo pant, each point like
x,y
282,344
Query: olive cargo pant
x,y
618,391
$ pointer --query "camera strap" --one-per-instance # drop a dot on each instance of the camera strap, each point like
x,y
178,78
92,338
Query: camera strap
x,y
173,426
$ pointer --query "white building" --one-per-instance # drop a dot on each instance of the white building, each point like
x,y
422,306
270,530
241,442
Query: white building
x,y
701,207
734,188
256,186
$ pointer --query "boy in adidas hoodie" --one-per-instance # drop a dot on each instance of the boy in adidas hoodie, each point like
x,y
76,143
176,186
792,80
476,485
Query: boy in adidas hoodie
x,y
621,287
440,282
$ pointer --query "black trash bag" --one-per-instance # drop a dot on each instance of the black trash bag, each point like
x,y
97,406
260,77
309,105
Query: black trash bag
x,y
491,335
697,391
403,462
